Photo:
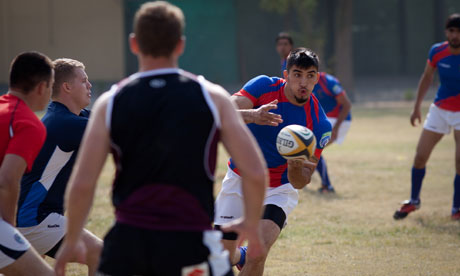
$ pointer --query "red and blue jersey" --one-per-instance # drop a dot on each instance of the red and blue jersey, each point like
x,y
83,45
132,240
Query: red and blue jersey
x,y
327,90
448,65
263,90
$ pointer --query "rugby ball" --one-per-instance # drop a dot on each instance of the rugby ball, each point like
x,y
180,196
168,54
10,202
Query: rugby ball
x,y
296,141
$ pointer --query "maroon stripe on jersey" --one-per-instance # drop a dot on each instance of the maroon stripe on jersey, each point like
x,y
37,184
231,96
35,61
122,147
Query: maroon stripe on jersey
x,y
163,207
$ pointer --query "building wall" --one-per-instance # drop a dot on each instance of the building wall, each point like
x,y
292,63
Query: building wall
x,y
86,30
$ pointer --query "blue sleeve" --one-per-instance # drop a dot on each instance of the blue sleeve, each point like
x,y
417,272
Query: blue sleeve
x,y
334,85
258,86
321,126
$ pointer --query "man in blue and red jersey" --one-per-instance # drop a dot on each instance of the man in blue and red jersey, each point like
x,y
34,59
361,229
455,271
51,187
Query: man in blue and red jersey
x,y
163,191
291,102
21,137
444,114
337,106
284,45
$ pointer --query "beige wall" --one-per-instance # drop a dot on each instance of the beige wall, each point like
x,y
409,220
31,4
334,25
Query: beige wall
x,y
87,30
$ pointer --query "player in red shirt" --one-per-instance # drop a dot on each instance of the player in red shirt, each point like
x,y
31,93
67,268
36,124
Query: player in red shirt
x,y
21,138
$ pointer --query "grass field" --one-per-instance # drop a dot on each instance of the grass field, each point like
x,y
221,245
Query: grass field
x,y
352,232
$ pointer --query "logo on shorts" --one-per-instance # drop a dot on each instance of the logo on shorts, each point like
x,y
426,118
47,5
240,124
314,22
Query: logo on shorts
x,y
18,238
226,217
53,226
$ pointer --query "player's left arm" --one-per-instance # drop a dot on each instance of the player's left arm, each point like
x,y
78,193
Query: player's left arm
x,y
82,184
300,172
345,103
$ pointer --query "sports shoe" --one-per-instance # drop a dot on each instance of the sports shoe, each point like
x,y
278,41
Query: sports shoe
x,y
456,216
240,264
406,208
326,190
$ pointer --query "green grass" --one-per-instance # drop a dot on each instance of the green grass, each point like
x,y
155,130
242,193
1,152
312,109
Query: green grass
x,y
353,232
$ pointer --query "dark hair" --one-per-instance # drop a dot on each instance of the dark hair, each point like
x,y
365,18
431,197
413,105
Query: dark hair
x,y
158,27
453,21
28,69
303,58
284,35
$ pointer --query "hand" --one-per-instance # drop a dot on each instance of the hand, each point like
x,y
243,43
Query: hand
x,y
416,115
299,163
262,116
334,134
250,232
68,252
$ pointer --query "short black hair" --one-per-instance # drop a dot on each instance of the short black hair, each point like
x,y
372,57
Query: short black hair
x,y
284,35
303,58
28,69
453,21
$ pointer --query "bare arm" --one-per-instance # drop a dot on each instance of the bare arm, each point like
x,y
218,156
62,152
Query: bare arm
x,y
299,172
345,102
261,115
11,171
422,89
247,156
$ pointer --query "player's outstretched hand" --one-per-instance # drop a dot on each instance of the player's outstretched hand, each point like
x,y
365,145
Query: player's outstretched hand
x,y
68,253
250,232
416,115
263,116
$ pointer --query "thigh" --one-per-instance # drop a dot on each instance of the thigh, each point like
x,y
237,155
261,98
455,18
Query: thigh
x,y
12,244
428,139
229,202
29,264
47,234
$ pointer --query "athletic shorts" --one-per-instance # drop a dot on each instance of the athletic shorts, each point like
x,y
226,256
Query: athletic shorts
x,y
130,250
229,203
441,121
12,244
343,129
47,234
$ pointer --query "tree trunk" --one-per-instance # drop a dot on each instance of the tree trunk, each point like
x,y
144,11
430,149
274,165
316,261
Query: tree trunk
x,y
344,45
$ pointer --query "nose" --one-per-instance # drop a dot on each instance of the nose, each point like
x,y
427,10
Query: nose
x,y
89,85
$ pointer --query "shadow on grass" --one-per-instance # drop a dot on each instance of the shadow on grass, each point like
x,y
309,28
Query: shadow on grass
x,y
442,225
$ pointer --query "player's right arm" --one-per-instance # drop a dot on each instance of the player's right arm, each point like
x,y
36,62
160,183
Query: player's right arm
x,y
82,184
246,154
423,86
11,171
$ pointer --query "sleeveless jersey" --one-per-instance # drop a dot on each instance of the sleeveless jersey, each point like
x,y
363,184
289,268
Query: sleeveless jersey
x,y
164,131
43,188
327,90
263,90
448,65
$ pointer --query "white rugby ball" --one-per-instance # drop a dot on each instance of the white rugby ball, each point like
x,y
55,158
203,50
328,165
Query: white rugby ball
x,y
296,141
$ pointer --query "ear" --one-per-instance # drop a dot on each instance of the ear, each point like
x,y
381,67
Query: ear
x,y
285,74
133,46
41,88
66,86
317,77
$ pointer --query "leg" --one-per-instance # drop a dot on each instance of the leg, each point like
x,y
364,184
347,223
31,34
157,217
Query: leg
x,y
428,140
456,199
325,182
93,251
270,232
30,263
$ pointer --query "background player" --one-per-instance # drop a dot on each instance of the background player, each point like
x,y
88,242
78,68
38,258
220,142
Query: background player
x,y
284,46
337,106
40,208
22,136
443,115
291,102
163,192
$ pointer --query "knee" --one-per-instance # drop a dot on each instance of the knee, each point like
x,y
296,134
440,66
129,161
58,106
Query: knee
x,y
420,160
259,259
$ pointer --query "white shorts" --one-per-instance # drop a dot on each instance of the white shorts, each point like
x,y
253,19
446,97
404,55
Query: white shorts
x,y
12,244
47,234
229,203
343,129
441,121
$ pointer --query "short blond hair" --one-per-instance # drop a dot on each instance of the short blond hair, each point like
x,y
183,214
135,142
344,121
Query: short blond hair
x,y
158,27
64,69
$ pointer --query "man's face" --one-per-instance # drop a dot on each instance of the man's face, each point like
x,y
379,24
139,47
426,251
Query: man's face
x,y
283,47
300,83
80,88
453,37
